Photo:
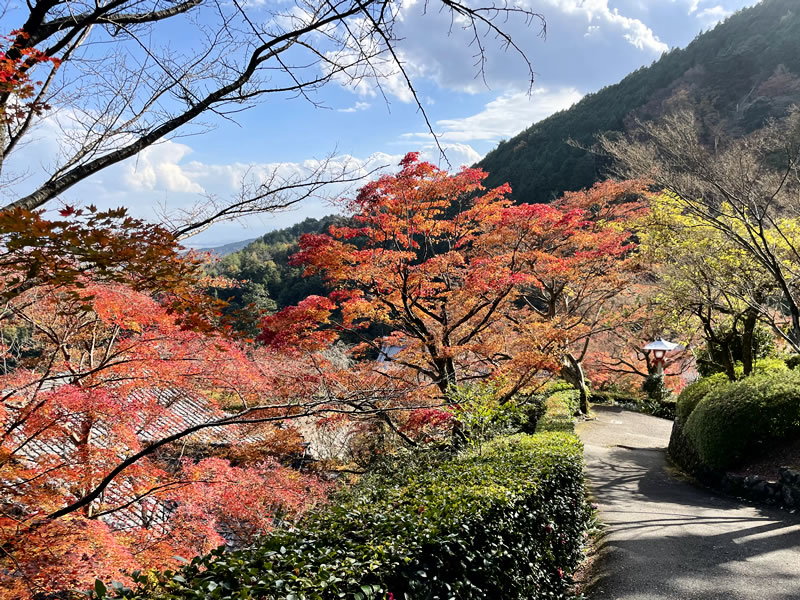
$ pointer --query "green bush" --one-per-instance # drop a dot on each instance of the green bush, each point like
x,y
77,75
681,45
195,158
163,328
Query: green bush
x,y
738,419
663,408
482,417
611,397
529,411
773,364
568,399
508,523
693,393
659,400
560,408
557,385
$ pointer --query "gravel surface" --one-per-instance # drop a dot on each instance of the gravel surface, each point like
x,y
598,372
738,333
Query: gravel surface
x,y
666,538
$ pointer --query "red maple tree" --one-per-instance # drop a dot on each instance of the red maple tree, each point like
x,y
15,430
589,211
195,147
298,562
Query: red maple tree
x,y
463,284
109,456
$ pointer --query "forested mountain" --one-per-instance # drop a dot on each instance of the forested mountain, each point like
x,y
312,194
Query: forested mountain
x,y
263,265
735,76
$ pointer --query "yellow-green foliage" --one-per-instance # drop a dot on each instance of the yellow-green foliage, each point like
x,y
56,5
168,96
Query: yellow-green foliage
x,y
698,267
773,364
561,405
693,393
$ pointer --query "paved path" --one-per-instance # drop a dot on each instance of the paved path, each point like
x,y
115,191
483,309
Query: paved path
x,y
667,539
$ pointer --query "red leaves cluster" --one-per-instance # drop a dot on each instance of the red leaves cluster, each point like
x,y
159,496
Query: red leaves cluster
x,y
298,328
424,424
111,371
16,63
244,502
89,245
471,284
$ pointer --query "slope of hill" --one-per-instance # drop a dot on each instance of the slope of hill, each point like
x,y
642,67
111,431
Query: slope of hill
x,y
226,249
735,76
263,264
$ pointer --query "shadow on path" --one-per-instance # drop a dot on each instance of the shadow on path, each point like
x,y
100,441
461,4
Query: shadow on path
x,y
668,539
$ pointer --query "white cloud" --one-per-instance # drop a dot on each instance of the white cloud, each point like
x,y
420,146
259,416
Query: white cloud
x,y
456,155
714,14
633,30
436,48
374,72
156,167
355,108
504,116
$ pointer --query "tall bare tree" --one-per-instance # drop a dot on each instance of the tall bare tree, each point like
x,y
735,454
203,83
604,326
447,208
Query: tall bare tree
x,y
748,189
127,81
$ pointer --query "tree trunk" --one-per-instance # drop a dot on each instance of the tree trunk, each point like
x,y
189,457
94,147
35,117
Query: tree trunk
x,y
446,370
572,372
747,341
727,357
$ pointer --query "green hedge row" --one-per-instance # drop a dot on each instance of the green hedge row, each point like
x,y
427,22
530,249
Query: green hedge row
x,y
506,523
610,397
737,420
693,393
561,404
664,408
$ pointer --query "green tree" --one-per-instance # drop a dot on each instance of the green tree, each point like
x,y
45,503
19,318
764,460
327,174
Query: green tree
x,y
705,282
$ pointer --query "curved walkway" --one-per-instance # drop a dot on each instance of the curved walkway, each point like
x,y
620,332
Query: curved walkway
x,y
667,539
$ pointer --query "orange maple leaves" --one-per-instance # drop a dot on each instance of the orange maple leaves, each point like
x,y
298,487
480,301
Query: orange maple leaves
x,y
467,283
119,351
114,372
16,63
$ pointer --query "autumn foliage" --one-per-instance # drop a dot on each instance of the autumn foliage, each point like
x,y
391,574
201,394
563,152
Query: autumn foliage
x,y
16,62
135,431
138,430
462,283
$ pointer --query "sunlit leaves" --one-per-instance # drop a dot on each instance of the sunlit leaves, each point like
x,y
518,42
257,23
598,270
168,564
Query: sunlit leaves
x,y
16,62
467,284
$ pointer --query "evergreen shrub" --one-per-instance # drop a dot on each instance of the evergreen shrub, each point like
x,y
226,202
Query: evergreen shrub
x,y
739,419
693,393
506,523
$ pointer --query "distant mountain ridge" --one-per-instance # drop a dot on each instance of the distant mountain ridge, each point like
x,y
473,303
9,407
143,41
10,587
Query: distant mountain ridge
x,y
227,249
735,76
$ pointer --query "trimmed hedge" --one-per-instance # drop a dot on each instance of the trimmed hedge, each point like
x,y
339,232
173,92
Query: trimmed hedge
x,y
664,409
506,523
737,419
609,397
693,393
561,407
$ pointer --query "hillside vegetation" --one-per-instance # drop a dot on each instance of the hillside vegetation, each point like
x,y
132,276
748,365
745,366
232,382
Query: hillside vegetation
x,y
735,76
269,282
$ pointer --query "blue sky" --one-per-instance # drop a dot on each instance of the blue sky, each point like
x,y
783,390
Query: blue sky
x,y
589,44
